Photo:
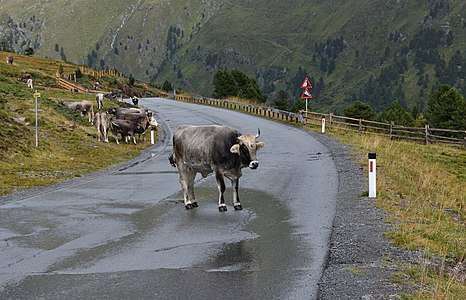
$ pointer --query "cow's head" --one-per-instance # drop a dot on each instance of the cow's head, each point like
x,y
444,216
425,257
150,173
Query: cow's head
x,y
246,149
152,122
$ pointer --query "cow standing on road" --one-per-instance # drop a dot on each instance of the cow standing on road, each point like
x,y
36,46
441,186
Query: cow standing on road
x,y
135,100
144,119
213,149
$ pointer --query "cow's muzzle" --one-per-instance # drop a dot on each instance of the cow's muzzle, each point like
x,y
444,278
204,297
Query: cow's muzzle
x,y
254,164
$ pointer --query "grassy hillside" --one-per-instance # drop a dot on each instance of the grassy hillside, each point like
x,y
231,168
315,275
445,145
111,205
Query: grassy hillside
x,y
349,48
68,145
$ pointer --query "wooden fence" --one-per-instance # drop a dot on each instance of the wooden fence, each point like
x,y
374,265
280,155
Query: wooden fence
x,y
424,134
99,74
69,85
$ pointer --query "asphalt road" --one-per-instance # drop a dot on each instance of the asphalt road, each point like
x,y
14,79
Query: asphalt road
x,y
125,234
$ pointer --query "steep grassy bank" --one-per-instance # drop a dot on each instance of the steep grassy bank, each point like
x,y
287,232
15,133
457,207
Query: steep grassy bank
x,y
68,146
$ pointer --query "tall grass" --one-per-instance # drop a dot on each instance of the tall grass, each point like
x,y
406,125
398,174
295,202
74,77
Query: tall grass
x,y
423,188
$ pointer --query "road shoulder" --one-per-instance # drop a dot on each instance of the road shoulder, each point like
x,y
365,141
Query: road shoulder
x,y
361,263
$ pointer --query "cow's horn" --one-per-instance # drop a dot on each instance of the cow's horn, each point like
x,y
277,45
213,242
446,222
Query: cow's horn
x,y
258,133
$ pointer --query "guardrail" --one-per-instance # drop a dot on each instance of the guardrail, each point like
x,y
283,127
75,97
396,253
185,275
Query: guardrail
x,y
268,112
425,134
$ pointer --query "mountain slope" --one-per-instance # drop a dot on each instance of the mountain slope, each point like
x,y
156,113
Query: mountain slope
x,y
367,50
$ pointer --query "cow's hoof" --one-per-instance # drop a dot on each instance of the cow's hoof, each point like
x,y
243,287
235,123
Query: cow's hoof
x,y
189,206
222,208
238,207
194,204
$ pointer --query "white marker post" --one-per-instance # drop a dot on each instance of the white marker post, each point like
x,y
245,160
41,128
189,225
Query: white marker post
x,y
372,175
152,137
323,125
37,95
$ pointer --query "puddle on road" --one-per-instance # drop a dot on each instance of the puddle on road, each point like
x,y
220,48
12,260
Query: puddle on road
x,y
275,249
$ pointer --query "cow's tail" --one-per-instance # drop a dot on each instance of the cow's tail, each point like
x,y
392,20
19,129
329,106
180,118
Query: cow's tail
x,y
172,160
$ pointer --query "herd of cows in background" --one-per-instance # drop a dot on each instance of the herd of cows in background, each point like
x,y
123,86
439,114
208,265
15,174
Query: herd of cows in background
x,y
127,122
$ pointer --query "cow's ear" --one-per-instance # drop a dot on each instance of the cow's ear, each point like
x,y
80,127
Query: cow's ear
x,y
260,145
235,149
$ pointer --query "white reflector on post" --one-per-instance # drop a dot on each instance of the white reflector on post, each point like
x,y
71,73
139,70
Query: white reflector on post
x,y
372,175
323,125
152,137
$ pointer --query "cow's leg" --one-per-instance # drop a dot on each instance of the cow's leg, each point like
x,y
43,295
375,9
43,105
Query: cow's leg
x,y
221,189
187,184
105,133
235,186
191,198
115,135
99,134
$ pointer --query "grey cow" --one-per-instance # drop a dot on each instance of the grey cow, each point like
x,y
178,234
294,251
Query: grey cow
x,y
213,149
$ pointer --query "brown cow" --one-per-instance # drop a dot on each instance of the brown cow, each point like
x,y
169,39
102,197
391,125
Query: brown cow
x,y
9,59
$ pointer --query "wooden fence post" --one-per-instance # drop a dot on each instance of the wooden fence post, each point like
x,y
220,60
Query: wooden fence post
x,y
330,121
426,129
360,127
391,130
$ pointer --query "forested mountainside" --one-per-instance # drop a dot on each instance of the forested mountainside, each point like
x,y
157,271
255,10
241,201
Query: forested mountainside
x,y
373,51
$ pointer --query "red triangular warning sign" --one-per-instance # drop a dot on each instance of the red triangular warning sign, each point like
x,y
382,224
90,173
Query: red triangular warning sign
x,y
306,94
306,84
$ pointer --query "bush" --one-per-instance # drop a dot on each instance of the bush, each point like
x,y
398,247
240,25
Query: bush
x,y
359,110
237,84
447,109
396,114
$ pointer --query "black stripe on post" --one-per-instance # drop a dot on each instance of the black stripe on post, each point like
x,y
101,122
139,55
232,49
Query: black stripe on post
x,y
372,155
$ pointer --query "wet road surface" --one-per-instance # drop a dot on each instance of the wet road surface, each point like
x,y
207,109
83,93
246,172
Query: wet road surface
x,y
125,234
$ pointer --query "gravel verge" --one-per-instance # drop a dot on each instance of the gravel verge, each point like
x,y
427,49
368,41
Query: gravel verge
x,y
361,263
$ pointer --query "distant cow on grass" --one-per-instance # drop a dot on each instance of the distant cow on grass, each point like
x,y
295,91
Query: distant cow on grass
x,y
9,59
30,83
99,99
84,107
102,123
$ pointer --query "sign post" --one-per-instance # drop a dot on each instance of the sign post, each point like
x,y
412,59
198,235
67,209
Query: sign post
x,y
323,125
306,94
37,95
